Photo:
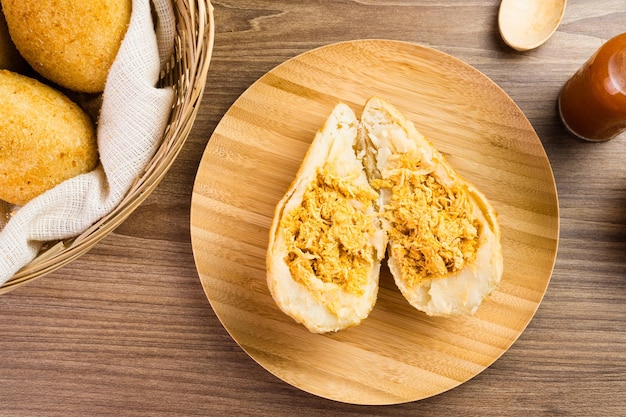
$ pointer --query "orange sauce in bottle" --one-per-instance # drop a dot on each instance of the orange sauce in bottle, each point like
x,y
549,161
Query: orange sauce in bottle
x,y
592,104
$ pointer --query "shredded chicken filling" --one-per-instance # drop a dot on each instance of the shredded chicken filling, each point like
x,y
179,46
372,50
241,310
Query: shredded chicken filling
x,y
328,235
433,230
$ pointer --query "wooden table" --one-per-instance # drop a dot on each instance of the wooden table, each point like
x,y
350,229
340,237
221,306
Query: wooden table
x,y
127,330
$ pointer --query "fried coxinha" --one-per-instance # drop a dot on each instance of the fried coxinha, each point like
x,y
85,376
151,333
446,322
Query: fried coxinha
x,y
372,188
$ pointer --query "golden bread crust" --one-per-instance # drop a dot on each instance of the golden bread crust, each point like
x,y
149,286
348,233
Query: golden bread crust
x,y
44,138
72,43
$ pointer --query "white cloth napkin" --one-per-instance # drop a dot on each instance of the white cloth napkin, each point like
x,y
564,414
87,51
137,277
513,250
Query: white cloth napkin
x,y
132,120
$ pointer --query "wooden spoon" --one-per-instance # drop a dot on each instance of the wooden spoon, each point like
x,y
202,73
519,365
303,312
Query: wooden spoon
x,y
526,24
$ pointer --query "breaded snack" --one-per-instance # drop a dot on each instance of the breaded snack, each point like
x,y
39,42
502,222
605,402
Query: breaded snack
x,y
326,244
70,42
45,138
444,248
10,58
370,185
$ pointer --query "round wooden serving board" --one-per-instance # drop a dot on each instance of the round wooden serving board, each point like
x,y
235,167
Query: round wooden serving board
x,y
397,354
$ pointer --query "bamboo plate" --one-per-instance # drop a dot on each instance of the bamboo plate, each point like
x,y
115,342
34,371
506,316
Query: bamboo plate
x,y
397,354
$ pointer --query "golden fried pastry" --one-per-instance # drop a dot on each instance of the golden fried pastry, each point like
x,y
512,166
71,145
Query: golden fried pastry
x,y
44,138
370,185
72,43
444,248
326,246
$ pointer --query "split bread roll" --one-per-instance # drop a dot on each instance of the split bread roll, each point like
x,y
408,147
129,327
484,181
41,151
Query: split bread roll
x,y
444,248
370,185
326,243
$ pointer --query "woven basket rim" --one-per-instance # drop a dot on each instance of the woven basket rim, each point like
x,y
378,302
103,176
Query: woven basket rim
x,y
186,73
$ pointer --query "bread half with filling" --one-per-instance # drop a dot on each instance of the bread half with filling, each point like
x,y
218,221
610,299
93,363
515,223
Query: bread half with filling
x,y
370,187
326,243
444,248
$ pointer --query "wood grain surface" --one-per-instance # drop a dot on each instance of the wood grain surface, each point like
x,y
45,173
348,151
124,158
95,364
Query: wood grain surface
x,y
397,354
127,329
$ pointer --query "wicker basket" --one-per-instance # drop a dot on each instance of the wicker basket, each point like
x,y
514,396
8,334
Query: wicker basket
x,y
187,73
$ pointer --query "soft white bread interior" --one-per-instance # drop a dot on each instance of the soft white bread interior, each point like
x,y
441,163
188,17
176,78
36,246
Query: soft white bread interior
x,y
326,243
444,247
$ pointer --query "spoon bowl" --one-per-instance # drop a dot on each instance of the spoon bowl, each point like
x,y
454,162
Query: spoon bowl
x,y
527,24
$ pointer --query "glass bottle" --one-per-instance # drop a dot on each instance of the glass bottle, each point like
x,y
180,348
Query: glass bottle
x,y
592,103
